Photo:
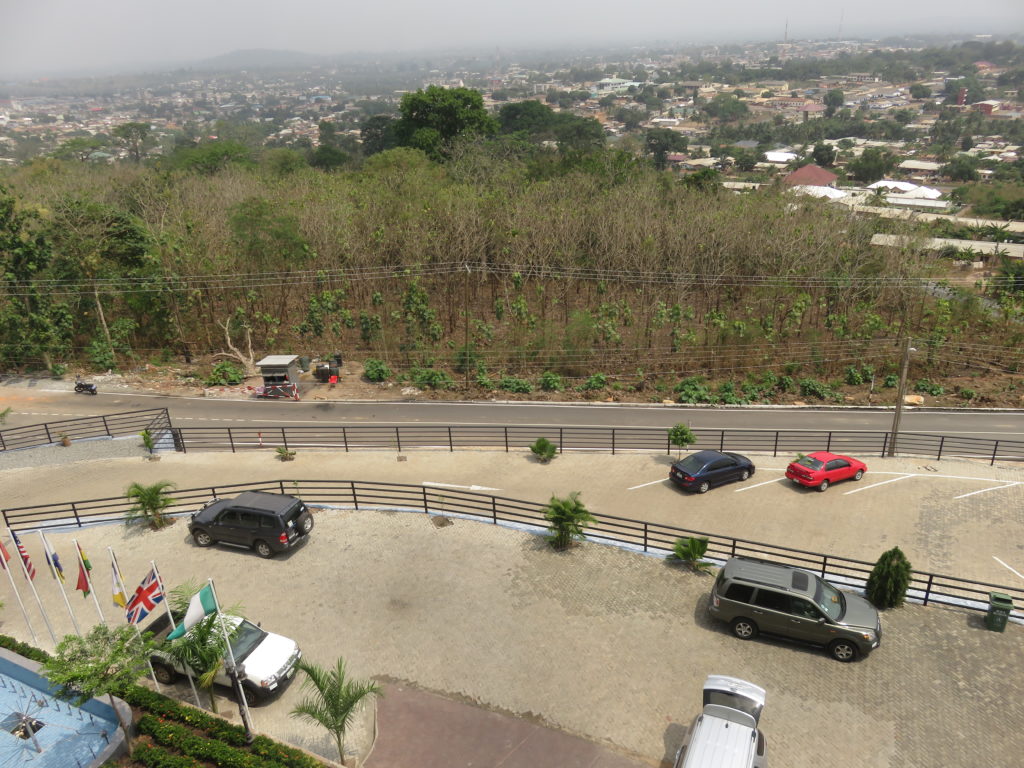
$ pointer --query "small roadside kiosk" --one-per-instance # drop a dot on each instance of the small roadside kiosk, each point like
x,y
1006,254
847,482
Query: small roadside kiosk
x,y
280,376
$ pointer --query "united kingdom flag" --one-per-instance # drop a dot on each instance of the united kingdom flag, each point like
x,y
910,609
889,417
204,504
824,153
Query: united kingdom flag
x,y
145,599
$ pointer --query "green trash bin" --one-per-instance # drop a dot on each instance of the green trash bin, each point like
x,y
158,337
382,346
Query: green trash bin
x,y
999,607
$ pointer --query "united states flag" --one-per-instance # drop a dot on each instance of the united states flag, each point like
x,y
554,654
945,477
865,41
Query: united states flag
x,y
144,600
29,568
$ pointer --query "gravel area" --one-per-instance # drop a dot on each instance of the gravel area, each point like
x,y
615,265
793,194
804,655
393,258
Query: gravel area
x,y
92,449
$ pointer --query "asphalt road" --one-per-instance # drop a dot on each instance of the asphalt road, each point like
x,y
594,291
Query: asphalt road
x,y
39,403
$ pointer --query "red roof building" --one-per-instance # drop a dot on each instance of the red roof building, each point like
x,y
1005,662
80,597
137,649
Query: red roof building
x,y
811,176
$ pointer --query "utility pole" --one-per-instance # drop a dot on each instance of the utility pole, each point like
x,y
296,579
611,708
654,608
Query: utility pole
x,y
901,393
465,324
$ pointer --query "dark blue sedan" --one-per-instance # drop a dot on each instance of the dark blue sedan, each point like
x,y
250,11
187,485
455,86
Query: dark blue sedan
x,y
699,471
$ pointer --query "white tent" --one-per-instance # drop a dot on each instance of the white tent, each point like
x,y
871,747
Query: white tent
x,y
906,189
779,157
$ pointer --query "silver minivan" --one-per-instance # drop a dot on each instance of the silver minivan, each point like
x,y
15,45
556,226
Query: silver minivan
x,y
754,596
725,733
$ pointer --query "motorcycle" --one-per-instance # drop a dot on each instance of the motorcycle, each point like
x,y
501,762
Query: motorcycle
x,y
84,386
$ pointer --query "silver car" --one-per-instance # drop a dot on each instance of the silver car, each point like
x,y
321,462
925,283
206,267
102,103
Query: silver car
x,y
754,596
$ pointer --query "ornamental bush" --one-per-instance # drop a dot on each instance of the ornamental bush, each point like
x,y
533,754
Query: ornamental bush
x,y
224,374
889,579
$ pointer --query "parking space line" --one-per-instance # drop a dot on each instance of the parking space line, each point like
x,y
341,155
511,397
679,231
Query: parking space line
x,y
986,490
1006,566
644,485
875,485
758,485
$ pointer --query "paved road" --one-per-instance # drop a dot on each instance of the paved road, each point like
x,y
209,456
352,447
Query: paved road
x,y
42,403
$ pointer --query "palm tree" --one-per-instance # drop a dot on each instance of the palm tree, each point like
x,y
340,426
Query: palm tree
x,y
333,699
202,649
568,518
151,501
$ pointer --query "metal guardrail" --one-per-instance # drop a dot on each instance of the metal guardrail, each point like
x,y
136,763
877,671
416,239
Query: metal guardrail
x,y
637,534
614,439
156,420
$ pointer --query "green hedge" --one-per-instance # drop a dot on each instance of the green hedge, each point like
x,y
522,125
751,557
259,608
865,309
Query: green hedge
x,y
158,757
23,649
211,750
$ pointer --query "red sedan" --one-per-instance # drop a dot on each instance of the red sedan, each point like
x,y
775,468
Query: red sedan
x,y
821,468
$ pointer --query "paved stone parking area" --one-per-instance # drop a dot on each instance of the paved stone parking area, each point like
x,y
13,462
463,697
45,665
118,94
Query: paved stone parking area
x,y
605,644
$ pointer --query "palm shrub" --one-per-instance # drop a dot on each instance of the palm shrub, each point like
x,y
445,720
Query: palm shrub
x,y
284,453
889,579
202,650
544,450
690,551
567,517
147,440
332,700
150,504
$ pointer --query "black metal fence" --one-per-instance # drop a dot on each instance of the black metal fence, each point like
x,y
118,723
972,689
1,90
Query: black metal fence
x,y
156,420
614,439
643,536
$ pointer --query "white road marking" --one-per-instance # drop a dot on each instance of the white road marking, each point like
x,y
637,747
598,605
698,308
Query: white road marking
x,y
758,485
644,485
1006,566
463,487
986,490
875,485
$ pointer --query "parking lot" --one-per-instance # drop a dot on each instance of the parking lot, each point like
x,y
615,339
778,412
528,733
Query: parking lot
x,y
600,642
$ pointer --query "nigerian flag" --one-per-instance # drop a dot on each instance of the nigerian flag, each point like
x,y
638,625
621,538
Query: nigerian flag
x,y
200,606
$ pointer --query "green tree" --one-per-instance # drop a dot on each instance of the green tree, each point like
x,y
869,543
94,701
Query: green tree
x,y
150,503
578,134
681,436
726,108
102,662
823,155
377,134
531,117
283,162
79,148
332,699
887,585
211,157
434,117
202,649
920,91
266,236
567,517
961,168
872,165
659,142
134,137
833,100
328,158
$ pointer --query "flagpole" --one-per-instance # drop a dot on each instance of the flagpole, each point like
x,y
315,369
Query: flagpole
x,y
20,603
60,581
88,580
167,604
243,705
24,569
138,632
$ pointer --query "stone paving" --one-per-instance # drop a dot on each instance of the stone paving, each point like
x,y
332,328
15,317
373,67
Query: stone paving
x,y
602,643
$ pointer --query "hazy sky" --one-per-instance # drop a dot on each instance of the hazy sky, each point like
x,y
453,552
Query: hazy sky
x,y
63,35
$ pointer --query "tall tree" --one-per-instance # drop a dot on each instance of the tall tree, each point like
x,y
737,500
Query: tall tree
x,y
133,136
833,101
432,118
378,134
659,142
332,700
872,165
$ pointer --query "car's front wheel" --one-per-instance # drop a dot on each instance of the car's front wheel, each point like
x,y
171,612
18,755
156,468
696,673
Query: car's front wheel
x,y
263,549
744,629
704,487
859,475
202,538
164,674
744,475
823,486
843,650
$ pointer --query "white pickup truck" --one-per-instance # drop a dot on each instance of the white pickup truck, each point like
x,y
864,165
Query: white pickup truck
x,y
266,662
725,733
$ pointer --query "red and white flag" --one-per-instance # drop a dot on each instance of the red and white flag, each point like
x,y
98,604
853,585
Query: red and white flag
x,y
29,568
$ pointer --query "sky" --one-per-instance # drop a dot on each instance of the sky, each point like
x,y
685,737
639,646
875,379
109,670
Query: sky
x,y
69,36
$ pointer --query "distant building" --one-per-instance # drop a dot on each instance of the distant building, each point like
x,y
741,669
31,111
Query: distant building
x,y
810,176
986,107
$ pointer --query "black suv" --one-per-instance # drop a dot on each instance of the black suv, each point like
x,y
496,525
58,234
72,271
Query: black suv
x,y
266,522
